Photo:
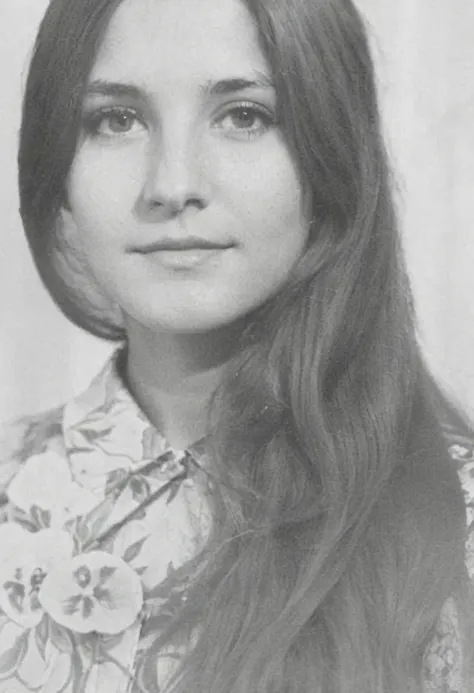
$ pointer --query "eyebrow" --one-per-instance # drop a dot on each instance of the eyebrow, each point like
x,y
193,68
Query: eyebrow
x,y
100,87
228,86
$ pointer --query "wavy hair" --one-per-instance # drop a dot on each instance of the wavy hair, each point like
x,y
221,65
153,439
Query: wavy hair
x,y
338,530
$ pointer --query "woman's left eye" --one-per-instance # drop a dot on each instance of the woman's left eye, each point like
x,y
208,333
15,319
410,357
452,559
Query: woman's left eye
x,y
246,121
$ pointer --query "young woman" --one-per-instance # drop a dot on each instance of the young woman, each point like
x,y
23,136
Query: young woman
x,y
255,495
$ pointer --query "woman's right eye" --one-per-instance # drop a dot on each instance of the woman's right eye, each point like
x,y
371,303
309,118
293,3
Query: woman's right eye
x,y
113,122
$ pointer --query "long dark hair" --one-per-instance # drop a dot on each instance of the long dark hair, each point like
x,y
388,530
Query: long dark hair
x,y
339,523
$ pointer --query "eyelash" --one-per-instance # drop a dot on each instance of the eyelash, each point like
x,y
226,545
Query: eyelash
x,y
93,121
255,110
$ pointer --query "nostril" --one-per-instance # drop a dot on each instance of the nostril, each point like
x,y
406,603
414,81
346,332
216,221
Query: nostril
x,y
175,207
196,202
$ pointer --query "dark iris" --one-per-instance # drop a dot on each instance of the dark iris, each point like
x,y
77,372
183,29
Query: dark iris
x,y
244,118
120,122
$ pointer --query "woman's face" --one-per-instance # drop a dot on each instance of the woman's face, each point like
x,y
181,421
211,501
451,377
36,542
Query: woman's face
x,y
183,194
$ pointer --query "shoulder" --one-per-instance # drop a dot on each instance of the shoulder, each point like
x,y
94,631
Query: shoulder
x,y
26,437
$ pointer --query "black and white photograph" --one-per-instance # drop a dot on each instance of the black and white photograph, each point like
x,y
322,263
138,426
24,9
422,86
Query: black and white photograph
x,y
237,346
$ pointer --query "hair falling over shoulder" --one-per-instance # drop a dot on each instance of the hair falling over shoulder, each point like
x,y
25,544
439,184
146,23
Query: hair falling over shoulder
x,y
343,535
338,532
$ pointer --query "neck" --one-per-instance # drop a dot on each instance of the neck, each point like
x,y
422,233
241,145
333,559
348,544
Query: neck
x,y
173,376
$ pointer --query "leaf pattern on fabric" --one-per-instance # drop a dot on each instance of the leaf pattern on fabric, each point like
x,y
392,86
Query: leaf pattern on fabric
x,y
95,512
97,516
45,487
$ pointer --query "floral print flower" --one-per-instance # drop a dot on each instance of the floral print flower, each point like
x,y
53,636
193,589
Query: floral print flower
x,y
78,555
94,592
26,558
73,618
45,482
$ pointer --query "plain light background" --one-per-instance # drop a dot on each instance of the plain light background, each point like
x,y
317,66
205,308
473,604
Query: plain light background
x,y
424,50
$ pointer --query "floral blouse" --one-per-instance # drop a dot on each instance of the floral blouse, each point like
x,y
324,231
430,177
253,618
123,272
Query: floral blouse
x,y
96,512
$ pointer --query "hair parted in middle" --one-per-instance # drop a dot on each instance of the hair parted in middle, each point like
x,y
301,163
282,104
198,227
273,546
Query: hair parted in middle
x,y
338,524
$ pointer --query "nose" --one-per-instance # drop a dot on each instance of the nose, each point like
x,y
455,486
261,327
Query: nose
x,y
175,178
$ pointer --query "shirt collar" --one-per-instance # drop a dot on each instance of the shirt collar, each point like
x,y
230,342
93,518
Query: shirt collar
x,y
107,417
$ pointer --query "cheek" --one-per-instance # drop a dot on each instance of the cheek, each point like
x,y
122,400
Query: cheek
x,y
273,205
264,182
103,189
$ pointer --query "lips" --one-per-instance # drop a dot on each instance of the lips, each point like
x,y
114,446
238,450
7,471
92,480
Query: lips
x,y
188,243
184,254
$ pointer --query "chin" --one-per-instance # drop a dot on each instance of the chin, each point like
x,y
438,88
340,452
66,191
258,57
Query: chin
x,y
187,324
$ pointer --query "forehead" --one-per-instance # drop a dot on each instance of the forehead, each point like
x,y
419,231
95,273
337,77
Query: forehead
x,y
175,41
